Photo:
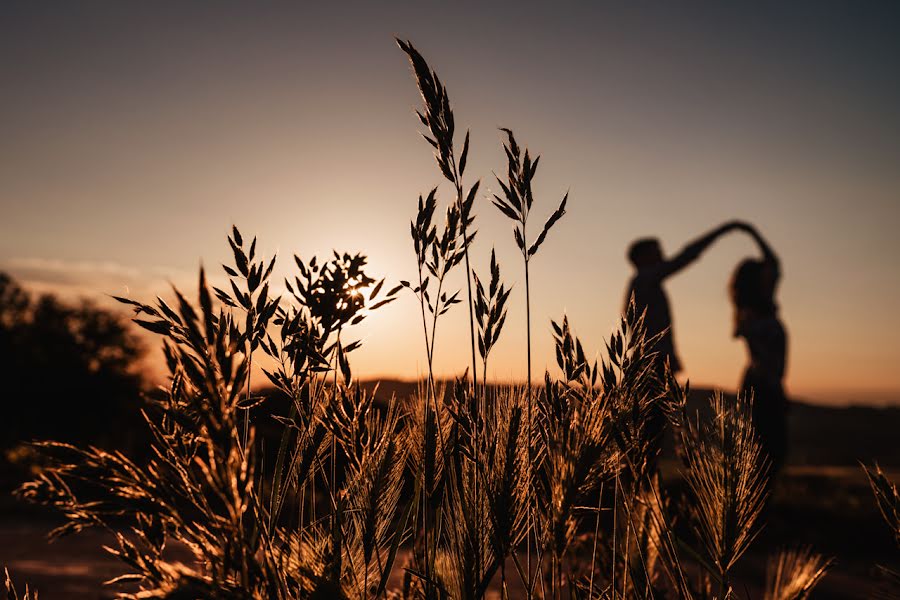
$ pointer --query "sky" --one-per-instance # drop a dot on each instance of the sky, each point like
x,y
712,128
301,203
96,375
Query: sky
x,y
133,135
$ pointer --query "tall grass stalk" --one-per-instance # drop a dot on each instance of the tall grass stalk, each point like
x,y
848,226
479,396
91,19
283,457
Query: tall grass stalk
x,y
438,118
490,314
516,204
727,474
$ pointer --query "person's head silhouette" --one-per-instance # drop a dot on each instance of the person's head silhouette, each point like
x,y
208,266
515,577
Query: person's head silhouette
x,y
752,287
645,252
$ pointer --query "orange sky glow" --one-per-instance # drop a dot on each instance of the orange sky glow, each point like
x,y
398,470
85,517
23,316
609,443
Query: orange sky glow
x,y
134,137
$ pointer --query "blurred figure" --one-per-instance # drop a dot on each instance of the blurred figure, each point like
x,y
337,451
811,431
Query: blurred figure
x,y
646,289
646,286
752,291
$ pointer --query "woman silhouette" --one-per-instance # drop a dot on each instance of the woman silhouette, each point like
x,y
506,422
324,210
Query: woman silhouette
x,y
752,288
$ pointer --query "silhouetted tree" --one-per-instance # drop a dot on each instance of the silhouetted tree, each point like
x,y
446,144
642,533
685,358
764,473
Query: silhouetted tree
x,y
67,370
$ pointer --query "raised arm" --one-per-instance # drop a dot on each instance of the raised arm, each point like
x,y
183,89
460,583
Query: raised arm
x,y
769,256
694,249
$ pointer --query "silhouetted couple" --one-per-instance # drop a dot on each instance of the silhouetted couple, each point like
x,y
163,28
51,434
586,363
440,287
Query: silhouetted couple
x,y
752,291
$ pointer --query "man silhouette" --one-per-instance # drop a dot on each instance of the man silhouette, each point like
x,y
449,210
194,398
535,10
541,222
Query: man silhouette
x,y
646,288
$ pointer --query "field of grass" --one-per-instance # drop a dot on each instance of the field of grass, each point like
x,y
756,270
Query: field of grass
x,y
830,508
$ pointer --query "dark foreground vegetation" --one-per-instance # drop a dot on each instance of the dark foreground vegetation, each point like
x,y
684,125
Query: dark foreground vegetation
x,y
459,490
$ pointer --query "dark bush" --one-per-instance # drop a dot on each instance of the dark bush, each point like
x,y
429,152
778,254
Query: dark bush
x,y
69,371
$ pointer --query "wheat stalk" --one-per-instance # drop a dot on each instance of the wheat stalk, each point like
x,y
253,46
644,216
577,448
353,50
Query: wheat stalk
x,y
792,574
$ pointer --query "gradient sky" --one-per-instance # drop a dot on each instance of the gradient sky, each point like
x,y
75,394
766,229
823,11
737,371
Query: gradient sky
x,y
133,135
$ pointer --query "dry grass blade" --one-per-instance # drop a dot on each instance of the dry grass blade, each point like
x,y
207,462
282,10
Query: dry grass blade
x,y
887,497
437,117
468,560
490,312
370,499
10,588
577,452
792,574
506,467
727,475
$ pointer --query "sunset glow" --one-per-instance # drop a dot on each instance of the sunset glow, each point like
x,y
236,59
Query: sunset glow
x,y
134,141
